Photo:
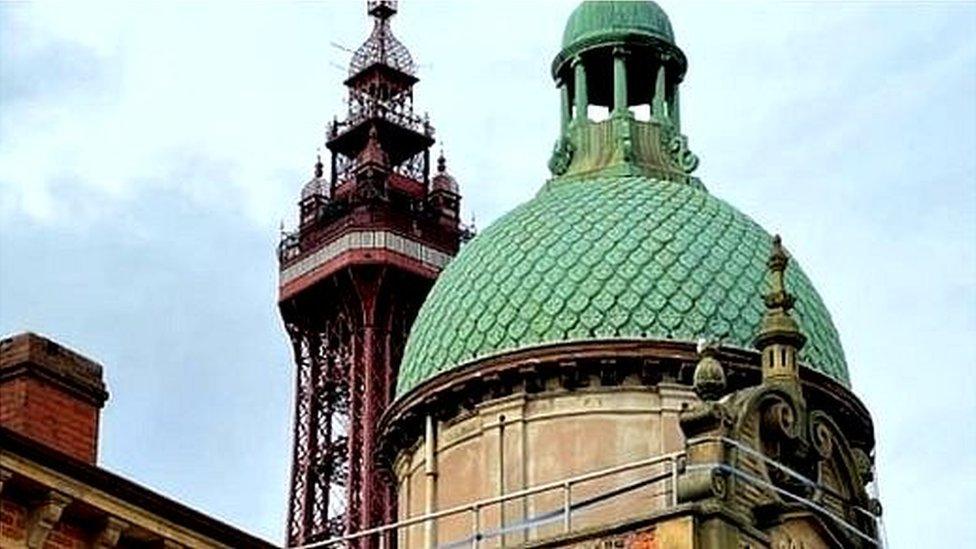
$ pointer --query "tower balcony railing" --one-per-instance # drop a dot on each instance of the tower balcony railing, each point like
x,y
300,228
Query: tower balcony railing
x,y
662,473
375,109
322,227
412,168
289,247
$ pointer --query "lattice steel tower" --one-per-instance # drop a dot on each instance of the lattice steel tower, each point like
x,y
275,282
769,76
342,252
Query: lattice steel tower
x,y
374,232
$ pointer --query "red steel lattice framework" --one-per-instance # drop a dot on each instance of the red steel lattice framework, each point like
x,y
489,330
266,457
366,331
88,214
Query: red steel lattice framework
x,y
373,235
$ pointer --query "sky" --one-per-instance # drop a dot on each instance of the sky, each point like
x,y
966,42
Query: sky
x,y
149,151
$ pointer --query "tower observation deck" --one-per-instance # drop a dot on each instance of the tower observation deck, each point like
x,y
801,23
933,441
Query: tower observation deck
x,y
375,229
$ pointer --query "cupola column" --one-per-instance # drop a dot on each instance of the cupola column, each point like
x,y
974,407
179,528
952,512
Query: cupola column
x,y
565,110
619,81
674,110
659,106
580,98
628,50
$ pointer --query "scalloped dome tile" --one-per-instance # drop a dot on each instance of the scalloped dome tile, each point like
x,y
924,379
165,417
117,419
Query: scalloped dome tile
x,y
609,257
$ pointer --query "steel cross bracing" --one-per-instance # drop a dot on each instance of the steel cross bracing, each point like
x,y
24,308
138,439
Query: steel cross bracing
x,y
347,306
346,356
317,508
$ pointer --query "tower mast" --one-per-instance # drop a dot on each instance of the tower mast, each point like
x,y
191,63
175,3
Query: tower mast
x,y
373,235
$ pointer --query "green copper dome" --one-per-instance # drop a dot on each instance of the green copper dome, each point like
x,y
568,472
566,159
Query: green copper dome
x,y
609,257
623,242
591,21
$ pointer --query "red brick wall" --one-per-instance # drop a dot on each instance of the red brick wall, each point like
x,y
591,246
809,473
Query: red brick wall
x,y
13,524
67,536
13,394
13,530
50,415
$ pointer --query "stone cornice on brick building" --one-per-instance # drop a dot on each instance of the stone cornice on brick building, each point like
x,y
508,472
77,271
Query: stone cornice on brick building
x,y
50,498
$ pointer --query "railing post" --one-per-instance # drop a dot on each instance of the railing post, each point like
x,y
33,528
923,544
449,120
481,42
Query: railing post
x,y
475,526
567,507
430,517
674,481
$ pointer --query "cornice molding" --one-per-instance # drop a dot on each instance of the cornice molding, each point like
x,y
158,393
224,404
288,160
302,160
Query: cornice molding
x,y
591,365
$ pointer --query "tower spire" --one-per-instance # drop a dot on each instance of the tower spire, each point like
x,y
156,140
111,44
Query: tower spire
x,y
375,231
779,338
382,48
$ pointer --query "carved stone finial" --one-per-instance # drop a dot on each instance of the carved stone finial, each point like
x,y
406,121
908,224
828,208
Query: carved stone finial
x,y
777,262
709,377
441,162
779,339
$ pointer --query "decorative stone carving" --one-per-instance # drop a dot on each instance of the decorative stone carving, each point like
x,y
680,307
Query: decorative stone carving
x,y
109,536
43,517
762,454
709,377
4,477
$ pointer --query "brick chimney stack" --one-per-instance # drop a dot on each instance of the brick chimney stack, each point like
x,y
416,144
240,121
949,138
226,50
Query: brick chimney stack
x,y
51,394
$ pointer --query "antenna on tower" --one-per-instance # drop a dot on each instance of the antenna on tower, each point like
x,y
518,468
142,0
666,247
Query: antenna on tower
x,y
341,47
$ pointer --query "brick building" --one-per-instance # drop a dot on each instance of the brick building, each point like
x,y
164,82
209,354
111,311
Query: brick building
x,y
53,494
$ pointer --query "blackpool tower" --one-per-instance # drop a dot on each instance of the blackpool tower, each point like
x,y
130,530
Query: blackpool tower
x,y
376,226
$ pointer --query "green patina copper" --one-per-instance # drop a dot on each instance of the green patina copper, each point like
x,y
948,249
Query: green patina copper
x,y
621,145
622,242
616,257
598,23
599,19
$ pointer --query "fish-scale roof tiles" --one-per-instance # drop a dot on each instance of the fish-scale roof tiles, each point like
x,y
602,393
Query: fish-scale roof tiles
x,y
611,257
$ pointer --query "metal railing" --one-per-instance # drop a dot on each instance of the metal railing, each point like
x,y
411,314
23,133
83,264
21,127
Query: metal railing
x,y
743,475
565,513
675,465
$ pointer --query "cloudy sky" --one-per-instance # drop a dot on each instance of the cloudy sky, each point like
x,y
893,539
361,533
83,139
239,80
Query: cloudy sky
x,y
148,152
